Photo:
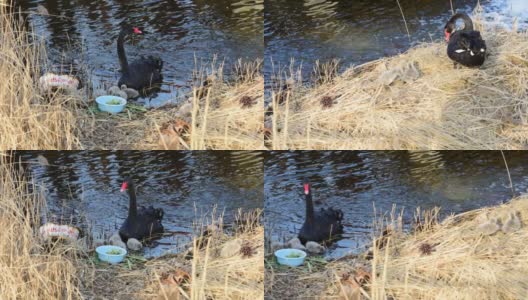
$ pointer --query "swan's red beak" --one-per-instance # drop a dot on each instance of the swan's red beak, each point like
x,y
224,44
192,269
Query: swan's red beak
x,y
306,188
447,35
124,186
137,31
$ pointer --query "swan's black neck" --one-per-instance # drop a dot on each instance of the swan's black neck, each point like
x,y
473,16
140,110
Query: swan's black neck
x,y
309,207
132,205
121,51
468,23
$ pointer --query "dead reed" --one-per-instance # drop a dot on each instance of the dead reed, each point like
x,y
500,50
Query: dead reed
x,y
28,270
30,119
415,100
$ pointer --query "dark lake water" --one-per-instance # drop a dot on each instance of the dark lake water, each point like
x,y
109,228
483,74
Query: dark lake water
x,y
360,31
177,31
86,186
356,181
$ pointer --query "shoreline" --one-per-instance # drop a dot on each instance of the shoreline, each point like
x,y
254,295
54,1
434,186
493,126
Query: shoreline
x,y
415,100
443,259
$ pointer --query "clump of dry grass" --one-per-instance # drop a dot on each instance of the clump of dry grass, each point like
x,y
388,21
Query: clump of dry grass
x,y
27,270
226,266
225,263
223,117
231,267
458,258
29,120
416,100
35,120
461,261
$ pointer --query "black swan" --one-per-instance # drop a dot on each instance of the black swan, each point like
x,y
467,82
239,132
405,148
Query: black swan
x,y
321,226
465,46
142,223
141,74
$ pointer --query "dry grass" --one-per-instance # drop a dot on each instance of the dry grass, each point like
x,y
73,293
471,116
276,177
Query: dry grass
x,y
29,120
464,263
416,100
27,270
31,270
221,269
209,273
228,116
33,120
218,119
453,259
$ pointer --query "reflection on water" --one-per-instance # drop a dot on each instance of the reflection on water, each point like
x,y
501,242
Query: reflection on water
x,y
358,181
85,186
177,31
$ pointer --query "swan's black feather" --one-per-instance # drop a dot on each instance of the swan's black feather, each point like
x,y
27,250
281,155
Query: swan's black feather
x,y
145,224
323,226
142,74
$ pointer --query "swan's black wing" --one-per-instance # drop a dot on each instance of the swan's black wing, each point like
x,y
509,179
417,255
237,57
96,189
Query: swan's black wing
x,y
467,48
143,73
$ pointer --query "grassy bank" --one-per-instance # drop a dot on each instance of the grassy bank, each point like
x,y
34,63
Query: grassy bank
x,y
27,269
30,120
225,114
458,258
226,266
415,100
229,265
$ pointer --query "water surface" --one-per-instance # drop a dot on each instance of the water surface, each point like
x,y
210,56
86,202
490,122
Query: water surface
x,y
177,31
85,186
360,181
360,31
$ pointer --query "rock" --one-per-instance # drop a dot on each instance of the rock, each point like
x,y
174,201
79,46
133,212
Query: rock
x,y
513,223
314,247
134,245
231,248
131,93
295,243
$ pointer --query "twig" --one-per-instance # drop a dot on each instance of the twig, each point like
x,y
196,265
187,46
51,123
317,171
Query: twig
x,y
404,21
508,170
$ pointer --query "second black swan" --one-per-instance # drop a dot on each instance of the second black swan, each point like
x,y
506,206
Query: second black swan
x,y
465,46
319,226
141,74
142,223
